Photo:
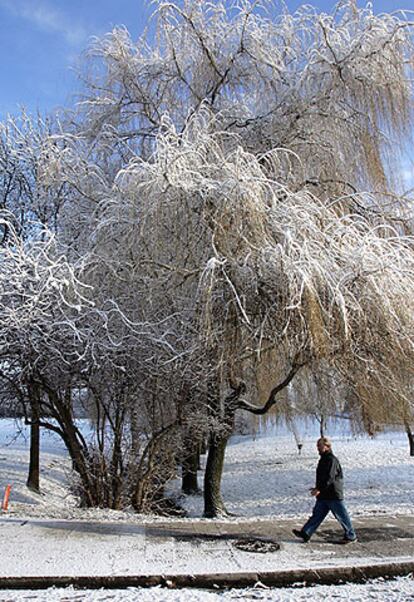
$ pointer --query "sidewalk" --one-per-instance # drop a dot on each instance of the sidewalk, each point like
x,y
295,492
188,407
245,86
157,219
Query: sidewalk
x,y
41,553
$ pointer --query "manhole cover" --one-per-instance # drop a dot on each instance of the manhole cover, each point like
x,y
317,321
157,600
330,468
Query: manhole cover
x,y
262,546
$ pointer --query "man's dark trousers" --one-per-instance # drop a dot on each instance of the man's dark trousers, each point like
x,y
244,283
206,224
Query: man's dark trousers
x,y
319,513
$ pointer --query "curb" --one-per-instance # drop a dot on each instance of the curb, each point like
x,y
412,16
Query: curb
x,y
300,577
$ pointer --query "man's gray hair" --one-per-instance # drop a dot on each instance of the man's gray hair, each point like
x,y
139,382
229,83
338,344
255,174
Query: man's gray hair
x,y
326,442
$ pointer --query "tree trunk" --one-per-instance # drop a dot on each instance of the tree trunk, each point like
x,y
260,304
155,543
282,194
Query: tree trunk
x,y
116,472
410,438
33,479
90,497
189,469
213,503
322,426
77,449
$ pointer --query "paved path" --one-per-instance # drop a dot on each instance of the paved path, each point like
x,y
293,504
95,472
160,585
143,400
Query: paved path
x,y
40,553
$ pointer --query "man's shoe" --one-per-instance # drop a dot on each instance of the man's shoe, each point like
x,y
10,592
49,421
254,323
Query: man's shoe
x,y
301,535
345,541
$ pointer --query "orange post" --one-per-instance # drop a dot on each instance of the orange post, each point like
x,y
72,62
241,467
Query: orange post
x,y
5,504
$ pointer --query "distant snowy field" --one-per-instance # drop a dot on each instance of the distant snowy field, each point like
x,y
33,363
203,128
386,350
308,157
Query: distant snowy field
x,y
264,477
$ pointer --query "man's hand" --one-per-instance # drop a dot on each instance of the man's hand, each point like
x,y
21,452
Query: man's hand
x,y
314,491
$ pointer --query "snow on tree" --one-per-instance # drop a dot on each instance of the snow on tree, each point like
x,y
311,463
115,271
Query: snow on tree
x,y
239,223
262,271
255,200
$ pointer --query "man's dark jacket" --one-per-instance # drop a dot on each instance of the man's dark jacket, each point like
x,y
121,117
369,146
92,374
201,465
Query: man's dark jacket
x,y
329,478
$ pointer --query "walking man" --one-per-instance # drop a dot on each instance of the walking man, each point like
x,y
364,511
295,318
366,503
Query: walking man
x,y
329,493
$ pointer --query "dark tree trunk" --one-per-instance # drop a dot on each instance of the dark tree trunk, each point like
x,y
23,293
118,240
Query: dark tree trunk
x,y
78,456
322,426
213,503
410,438
75,445
117,471
33,479
189,469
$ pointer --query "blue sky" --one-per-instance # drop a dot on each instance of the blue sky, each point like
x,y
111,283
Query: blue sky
x,y
40,41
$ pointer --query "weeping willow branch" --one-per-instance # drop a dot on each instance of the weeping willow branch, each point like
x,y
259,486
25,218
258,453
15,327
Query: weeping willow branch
x,y
271,401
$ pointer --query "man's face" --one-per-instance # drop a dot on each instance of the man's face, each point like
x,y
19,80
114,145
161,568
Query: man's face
x,y
321,447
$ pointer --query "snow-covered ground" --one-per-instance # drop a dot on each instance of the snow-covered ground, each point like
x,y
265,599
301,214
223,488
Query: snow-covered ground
x,y
267,476
264,477
398,590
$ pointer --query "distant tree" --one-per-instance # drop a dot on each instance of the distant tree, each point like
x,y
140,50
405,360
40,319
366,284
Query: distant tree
x,y
410,436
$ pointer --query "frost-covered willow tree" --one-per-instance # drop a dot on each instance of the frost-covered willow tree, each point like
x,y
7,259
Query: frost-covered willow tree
x,y
252,281
253,204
